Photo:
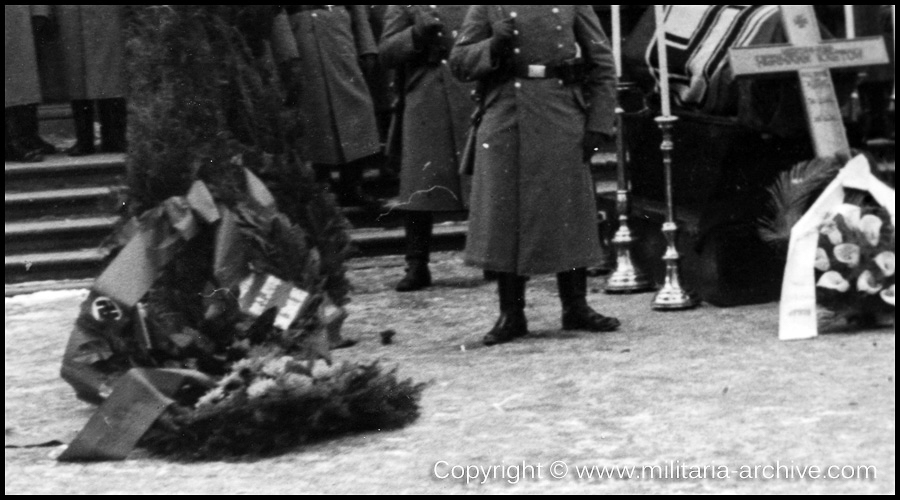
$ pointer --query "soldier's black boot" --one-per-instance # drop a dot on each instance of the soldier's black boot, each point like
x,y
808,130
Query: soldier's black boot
x,y
83,116
418,248
512,323
113,115
576,313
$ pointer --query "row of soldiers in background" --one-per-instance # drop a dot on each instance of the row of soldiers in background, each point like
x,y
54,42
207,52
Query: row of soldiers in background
x,y
64,53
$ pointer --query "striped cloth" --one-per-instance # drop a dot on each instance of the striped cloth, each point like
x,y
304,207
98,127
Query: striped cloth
x,y
698,38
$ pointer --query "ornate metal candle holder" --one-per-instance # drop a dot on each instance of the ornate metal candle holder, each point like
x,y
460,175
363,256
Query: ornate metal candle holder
x,y
627,277
672,296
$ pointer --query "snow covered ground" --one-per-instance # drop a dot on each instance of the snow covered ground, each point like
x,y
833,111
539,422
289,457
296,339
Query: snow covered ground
x,y
706,390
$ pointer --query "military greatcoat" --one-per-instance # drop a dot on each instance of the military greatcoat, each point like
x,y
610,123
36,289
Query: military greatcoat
x,y
92,40
336,109
438,108
22,83
533,209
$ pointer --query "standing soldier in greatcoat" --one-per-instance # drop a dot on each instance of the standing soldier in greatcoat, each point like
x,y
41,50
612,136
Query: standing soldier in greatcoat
x,y
417,40
23,89
336,50
92,39
549,104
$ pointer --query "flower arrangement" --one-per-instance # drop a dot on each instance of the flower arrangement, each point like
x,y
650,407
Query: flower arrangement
x,y
855,263
271,402
854,257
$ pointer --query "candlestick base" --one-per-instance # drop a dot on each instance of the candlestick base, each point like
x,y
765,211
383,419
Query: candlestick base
x,y
627,278
674,299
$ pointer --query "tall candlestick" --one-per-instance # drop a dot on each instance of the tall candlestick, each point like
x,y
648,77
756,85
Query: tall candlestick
x,y
673,296
850,20
665,98
628,277
617,38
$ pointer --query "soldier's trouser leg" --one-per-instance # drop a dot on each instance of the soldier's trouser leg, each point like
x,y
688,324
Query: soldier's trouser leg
x,y
418,226
113,125
576,313
83,116
16,130
512,323
32,131
350,190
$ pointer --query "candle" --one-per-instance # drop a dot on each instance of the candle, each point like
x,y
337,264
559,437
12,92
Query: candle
x,y
617,38
850,19
663,61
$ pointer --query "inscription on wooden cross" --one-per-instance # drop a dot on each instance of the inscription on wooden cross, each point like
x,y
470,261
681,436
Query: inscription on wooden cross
x,y
812,59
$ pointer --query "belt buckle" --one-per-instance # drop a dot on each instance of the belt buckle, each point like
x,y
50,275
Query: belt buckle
x,y
537,71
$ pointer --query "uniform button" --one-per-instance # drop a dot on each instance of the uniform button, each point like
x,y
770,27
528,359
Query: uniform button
x,y
517,50
559,28
443,61
513,15
433,6
561,83
555,10
560,46
518,85
315,15
516,32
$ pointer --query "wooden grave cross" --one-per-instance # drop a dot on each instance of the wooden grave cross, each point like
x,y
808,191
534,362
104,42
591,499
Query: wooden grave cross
x,y
812,58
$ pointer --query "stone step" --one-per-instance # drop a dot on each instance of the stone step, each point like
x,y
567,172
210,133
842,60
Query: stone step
x,y
89,200
28,237
65,172
49,112
54,266
29,272
375,242
45,286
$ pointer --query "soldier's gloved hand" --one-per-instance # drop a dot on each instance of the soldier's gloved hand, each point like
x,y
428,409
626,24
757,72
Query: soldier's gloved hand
x,y
426,29
502,38
594,142
291,75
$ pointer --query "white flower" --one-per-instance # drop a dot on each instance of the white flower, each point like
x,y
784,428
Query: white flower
x,y
210,398
830,229
833,280
871,227
322,370
848,253
888,295
277,366
868,284
296,381
851,215
885,261
259,388
823,263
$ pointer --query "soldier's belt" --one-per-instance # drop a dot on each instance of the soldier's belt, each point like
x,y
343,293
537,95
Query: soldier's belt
x,y
568,73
